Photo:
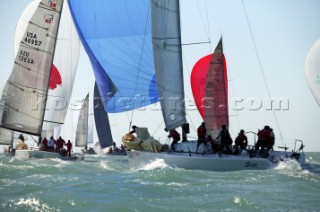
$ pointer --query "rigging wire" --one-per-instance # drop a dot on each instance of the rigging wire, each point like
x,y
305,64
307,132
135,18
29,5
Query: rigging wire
x,y
203,22
208,25
261,68
140,60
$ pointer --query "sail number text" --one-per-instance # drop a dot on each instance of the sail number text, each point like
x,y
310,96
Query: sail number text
x,y
24,57
32,39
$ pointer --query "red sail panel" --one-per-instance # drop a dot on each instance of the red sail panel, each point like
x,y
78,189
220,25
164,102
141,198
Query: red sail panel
x,y
55,78
216,93
198,81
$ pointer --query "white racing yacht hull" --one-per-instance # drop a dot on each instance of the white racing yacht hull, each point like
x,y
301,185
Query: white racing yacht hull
x,y
209,161
29,154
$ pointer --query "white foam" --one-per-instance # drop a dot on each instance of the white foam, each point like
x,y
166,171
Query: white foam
x,y
157,164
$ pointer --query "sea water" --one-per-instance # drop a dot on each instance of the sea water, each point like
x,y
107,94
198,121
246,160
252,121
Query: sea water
x,y
106,183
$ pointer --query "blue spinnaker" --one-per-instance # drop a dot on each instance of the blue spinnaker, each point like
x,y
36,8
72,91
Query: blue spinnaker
x,y
118,40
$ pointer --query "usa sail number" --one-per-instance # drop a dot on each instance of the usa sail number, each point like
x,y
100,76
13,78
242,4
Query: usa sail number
x,y
32,39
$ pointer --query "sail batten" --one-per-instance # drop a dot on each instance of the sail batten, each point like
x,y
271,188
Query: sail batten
x,y
166,40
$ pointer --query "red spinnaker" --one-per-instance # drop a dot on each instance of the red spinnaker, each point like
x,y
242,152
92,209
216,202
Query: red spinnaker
x,y
198,81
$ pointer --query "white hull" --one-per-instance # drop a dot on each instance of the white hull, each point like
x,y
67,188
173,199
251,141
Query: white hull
x,y
29,154
209,161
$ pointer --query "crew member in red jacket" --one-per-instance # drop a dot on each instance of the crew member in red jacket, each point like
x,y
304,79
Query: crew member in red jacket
x,y
69,147
202,132
174,135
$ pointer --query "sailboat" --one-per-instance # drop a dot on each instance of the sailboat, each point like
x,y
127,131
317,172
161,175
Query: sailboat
x,y
64,67
168,66
26,92
162,33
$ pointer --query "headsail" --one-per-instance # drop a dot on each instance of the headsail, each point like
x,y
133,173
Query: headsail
x,y
312,70
209,84
82,126
102,121
117,38
63,69
26,90
166,40
216,111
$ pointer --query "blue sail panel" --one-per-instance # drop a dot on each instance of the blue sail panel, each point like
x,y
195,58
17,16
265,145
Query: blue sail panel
x,y
117,37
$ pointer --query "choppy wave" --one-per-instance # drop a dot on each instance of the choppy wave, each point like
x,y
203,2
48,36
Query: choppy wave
x,y
106,183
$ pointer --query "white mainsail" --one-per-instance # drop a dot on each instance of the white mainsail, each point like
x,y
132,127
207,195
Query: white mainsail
x,y
65,64
312,70
26,90
166,38
82,126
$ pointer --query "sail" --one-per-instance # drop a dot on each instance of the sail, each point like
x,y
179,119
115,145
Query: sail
x,y
166,40
26,89
63,69
312,70
117,39
216,93
102,121
6,136
207,86
82,126
198,81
